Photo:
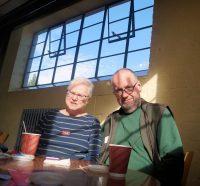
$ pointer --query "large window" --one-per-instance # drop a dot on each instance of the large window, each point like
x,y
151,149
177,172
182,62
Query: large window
x,y
93,45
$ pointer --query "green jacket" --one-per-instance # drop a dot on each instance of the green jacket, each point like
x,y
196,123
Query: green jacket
x,y
167,167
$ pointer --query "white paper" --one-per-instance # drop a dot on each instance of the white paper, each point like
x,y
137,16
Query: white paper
x,y
106,139
59,162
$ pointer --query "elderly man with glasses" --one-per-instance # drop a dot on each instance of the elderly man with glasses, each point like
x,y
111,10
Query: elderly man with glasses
x,y
71,132
149,129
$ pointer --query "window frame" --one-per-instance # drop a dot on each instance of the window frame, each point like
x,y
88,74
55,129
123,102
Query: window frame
x,y
79,45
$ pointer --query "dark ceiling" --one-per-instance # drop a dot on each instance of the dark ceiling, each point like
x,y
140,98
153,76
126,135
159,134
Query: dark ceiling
x,y
7,5
15,12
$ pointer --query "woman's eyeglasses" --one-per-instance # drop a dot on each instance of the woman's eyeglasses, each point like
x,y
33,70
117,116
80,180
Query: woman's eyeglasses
x,y
80,97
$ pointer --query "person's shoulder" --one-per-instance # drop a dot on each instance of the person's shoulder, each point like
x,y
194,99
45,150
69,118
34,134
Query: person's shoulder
x,y
92,121
111,115
50,113
168,111
144,103
54,111
166,108
92,118
160,107
115,112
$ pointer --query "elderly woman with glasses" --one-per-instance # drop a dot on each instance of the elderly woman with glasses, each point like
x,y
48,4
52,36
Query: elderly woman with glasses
x,y
71,132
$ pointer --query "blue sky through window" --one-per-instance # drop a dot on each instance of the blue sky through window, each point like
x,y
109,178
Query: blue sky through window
x,y
96,49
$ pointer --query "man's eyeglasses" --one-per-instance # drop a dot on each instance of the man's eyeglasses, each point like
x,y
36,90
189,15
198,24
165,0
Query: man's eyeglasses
x,y
128,90
80,97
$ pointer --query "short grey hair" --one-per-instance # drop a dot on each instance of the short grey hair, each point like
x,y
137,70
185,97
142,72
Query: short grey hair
x,y
82,81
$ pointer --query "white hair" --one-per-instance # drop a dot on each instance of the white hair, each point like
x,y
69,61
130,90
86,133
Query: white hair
x,y
82,81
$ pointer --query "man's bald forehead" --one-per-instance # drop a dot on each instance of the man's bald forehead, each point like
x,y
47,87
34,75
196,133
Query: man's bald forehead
x,y
124,75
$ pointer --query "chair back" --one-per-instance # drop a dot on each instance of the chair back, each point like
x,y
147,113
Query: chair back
x,y
3,137
187,164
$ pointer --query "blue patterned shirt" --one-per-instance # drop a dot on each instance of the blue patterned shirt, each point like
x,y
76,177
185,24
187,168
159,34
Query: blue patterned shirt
x,y
69,137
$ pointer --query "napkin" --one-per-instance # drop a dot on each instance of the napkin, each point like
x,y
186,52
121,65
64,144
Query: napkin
x,y
58,162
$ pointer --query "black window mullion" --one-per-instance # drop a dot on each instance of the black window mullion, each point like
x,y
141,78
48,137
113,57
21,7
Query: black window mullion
x,y
101,40
61,37
77,48
131,12
130,17
45,43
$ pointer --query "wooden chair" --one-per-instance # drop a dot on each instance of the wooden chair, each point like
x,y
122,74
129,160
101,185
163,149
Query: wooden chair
x,y
3,137
187,163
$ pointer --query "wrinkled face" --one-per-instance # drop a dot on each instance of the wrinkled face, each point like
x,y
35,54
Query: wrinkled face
x,y
77,98
127,90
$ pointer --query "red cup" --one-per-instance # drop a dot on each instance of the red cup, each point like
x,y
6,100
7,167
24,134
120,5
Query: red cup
x,y
119,158
20,177
29,143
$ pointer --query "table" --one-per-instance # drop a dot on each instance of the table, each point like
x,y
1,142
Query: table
x,y
78,174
